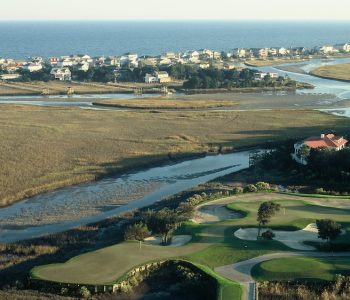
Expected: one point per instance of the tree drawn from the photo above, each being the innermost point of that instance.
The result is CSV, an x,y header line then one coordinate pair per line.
x,y
163,222
138,231
268,235
328,229
304,151
265,212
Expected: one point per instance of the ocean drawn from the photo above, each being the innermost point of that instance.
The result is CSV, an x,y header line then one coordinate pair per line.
x,y
24,39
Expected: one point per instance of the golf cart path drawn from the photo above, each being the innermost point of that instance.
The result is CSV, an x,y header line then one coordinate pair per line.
x,y
241,271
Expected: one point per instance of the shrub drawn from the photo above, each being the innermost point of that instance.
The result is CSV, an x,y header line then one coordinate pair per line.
x,y
237,190
250,188
262,186
268,235
320,191
84,292
64,291
195,200
138,231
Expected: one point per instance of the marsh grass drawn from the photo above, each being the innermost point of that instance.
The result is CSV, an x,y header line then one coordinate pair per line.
x,y
44,148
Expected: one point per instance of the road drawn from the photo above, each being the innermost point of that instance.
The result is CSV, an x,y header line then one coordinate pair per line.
x,y
241,271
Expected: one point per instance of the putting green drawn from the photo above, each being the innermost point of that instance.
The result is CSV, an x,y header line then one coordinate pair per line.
x,y
301,268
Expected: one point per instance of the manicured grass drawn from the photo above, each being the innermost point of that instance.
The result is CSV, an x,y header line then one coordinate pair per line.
x,y
301,268
227,289
212,245
338,71
64,146
317,195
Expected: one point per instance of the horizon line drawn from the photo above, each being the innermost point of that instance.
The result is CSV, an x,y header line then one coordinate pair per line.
x,y
175,20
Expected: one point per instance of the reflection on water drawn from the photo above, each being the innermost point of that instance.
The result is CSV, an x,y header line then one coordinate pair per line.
x,y
85,203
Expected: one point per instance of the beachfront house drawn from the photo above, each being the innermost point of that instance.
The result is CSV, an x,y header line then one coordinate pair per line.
x,y
260,52
296,51
62,74
328,49
282,51
33,67
273,51
129,59
342,47
191,56
66,62
325,141
239,52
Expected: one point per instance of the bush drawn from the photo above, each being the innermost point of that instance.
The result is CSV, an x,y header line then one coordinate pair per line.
x,y
268,235
262,186
237,190
195,200
138,231
250,188
84,292
320,191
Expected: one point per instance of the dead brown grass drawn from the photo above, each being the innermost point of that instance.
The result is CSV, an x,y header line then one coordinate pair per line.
x,y
338,71
166,103
58,87
272,62
44,148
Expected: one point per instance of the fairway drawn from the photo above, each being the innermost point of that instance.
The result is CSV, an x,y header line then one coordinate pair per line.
x,y
301,268
212,245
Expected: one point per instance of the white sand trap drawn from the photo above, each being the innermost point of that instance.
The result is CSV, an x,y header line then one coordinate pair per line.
x,y
176,241
292,239
210,213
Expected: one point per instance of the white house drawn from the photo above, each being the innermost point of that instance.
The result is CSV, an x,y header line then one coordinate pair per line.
x,y
62,74
157,77
342,47
328,49
67,62
327,141
240,52
33,67
262,75
149,78
83,67
129,59
282,51
10,76
260,52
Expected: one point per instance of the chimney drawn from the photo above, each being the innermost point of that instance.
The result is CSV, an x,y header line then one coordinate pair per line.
x,y
322,136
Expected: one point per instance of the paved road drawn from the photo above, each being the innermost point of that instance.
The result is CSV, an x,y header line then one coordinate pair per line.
x,y
241,271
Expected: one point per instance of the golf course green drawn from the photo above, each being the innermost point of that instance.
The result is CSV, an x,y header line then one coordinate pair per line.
x,y
214,245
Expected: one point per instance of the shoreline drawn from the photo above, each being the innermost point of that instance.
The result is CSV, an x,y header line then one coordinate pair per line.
x,y
329,78
163,161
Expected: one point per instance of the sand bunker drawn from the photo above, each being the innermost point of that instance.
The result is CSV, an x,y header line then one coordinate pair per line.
x,y
292,239
177,240
210,213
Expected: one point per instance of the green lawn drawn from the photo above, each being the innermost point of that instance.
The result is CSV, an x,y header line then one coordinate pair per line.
x,y
301,268
212,245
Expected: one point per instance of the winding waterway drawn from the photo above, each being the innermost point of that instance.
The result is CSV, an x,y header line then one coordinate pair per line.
x,y
81,204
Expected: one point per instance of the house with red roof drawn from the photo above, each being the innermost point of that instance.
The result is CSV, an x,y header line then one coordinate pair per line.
x,y
325,141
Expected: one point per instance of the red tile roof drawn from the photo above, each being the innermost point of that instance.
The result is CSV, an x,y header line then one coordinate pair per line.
x,y
325,141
